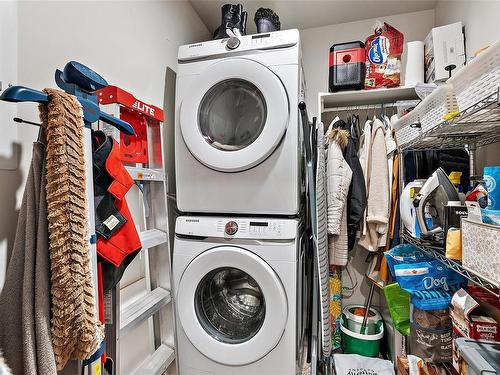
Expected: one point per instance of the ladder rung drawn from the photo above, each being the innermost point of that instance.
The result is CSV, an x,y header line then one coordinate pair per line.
x,y
145,174
152,237
158,362
137,312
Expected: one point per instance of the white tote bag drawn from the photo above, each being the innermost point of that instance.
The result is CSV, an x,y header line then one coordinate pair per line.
x,y
353,364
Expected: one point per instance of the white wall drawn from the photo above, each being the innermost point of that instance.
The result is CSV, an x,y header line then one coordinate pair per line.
x,y
316,43
10,176
129,42
481,21
480,18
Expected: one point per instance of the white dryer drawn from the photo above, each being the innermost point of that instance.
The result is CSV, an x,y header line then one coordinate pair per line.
x,y
239,296
238,145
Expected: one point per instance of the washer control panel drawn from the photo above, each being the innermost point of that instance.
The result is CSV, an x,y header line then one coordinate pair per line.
x,y
242,228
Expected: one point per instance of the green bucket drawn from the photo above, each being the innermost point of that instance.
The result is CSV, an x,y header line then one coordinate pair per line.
x,y
357,343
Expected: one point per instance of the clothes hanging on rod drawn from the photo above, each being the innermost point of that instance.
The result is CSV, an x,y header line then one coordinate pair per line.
x,y
356,197
377,209
339,176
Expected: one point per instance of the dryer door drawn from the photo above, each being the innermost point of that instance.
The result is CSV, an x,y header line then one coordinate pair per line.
x,y
232,305
235,115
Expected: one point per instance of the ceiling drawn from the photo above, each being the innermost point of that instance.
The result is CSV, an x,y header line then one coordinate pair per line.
x,y
312,13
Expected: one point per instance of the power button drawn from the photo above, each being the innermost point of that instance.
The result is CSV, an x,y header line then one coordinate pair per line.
x,y
231,228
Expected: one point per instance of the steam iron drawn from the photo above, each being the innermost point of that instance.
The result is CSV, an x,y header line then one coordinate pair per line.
x,y
430,204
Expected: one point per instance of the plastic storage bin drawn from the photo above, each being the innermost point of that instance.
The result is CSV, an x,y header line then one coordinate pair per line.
x,y
481,249
347,66
478,357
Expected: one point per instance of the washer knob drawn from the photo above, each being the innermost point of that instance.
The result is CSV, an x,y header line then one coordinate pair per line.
x,y
233,43
231,228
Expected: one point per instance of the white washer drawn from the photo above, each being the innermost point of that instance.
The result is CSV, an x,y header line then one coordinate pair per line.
x,y
238,145
239,295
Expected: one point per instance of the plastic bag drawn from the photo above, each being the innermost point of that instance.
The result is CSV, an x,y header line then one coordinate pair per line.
x,y
428,276
383,57
432,345
354,364
435,319
431,300
398,302
404,254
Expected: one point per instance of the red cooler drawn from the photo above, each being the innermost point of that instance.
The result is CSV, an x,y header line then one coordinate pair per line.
x,y
347,66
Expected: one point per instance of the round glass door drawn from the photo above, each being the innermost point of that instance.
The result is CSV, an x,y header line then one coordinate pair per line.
x,y
230,305
232,114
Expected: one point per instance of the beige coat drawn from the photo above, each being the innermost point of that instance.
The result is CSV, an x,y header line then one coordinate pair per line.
x,y
377,175
338,177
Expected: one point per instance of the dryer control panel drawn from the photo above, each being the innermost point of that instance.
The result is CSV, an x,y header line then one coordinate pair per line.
x,y
240,228
221,47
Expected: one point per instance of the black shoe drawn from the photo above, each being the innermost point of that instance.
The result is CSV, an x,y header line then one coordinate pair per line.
x,y
232,17
266,21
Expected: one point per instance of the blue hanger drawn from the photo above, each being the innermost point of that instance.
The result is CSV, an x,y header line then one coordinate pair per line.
x,y
78,80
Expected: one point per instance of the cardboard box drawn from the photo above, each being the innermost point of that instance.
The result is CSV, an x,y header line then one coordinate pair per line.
x,y
444,46
474,314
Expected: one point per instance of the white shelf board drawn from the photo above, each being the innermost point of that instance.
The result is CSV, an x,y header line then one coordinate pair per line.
x,y
329,101
158,362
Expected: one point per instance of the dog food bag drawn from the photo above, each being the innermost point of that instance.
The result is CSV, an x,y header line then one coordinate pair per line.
x,y
432,345
383,57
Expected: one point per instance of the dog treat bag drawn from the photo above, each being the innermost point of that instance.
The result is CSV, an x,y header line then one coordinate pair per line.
x,y
383,57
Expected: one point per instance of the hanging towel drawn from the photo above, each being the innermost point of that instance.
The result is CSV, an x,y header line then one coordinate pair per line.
x,y
76,331
339,176
377,210
25,300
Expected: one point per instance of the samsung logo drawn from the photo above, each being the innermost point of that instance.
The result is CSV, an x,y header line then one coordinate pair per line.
x,y
192,220
195,45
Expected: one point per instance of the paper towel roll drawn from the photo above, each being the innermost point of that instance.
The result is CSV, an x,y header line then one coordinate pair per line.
x,y
414,63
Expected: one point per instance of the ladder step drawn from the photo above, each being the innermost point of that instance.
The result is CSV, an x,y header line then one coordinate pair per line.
x,y
137,312
152,237
145,174
158,362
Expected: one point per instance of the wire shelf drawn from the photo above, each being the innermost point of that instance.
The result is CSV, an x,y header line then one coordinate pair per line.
x,y
438,254
478,125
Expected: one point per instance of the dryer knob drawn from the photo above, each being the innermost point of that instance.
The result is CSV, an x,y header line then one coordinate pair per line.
x,y
231,228
233,43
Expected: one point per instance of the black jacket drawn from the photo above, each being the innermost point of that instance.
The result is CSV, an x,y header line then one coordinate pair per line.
x,y
356,198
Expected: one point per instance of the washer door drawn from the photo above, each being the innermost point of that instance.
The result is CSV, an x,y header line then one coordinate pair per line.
x,y
232,305
235,115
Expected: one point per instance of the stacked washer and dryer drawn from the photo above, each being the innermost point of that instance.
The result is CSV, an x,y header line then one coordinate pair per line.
x,y
239,252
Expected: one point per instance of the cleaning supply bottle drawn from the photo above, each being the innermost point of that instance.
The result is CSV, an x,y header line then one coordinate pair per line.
x,y
455,180
429,222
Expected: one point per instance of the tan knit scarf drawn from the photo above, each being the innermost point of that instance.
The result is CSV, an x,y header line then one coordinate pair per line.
x,y
76,331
